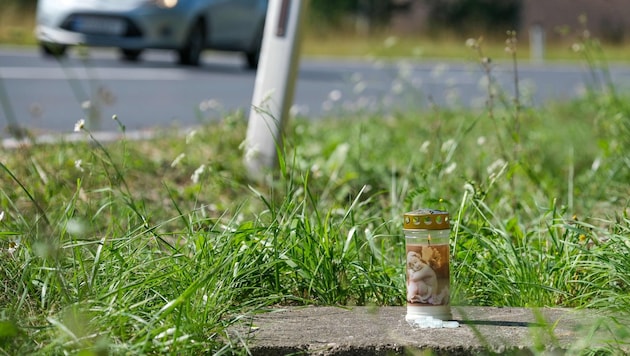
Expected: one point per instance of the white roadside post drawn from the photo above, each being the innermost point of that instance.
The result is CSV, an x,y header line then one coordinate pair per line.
x,y
537,43
275,85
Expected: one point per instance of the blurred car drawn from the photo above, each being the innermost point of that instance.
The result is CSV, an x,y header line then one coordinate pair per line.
x,y
186,26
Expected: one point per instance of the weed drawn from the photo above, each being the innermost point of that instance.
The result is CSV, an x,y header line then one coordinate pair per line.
x,y
161,245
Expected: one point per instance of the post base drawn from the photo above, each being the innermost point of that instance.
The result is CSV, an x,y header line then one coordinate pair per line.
x,y
442,312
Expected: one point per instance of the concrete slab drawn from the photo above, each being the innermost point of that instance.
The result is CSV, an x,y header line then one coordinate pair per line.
x,y
383,331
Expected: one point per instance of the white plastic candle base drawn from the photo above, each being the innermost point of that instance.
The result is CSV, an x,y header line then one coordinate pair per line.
x,y
429,322
442,312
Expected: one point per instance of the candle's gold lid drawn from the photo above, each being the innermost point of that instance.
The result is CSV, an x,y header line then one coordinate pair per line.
x,y
426,219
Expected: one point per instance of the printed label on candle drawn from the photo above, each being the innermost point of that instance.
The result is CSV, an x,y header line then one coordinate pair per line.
x,y
428,278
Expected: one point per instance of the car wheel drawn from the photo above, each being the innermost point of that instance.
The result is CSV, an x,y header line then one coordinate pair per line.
x,y
253,55
130,55
52,49
191,52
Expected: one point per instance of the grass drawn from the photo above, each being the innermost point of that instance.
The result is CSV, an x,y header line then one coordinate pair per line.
x,y
16,25
436,47
158,246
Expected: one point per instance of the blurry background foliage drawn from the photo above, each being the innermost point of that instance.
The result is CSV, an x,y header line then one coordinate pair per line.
x,y
450,14
337,13
25,4
455,16
462,16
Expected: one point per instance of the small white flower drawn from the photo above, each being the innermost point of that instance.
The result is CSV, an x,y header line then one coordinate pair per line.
x,y
79,125
390,41
359,87
481,140
213,104
167,332
14,246
469,188
595,166
197,173
86,104
450,168
471,43
77,165
1,215
316,170
334,95
496,166
425,146
210,104
267,97
252,151
178,159
190,136
297,110
76,227
449,145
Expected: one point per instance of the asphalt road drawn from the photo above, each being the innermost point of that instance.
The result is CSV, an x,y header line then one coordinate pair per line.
x,y
47,96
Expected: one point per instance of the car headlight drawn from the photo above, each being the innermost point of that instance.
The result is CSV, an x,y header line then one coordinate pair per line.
x,y
167,4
